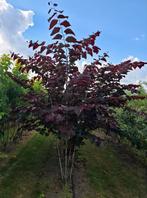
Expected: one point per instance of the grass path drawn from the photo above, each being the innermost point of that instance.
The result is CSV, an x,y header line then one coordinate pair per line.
x,y
32,172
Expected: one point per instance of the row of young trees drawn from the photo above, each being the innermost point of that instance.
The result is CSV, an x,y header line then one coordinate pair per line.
x,y
59,99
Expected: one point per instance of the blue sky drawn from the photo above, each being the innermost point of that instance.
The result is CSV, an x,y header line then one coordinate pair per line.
x,y
123,23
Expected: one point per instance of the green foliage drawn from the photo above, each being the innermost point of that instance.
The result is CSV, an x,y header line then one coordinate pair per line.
x,y
10,93
4,65
8,133
38,87
139,105
133,125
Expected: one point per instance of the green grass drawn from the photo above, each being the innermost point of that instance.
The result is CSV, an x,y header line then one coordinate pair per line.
x,y
22,175
32,172
113,174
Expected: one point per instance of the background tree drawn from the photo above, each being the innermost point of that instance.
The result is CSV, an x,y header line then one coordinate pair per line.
x,y
71,104
10,93
132,121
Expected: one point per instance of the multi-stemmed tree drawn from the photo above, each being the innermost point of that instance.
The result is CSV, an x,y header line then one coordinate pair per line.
x,y
71,104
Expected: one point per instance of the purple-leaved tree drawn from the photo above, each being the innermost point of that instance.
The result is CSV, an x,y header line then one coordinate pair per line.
x,y
71,104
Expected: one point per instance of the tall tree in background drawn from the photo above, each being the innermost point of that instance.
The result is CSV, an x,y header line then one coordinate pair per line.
x,y
71,104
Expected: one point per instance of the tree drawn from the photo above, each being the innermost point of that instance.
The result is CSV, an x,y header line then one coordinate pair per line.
x,y
10,93
71,104
132,121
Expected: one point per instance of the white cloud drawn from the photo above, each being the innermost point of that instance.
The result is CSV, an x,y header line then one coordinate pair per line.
x,y
13,23
81,65
137,75
140,37
132,58
136,38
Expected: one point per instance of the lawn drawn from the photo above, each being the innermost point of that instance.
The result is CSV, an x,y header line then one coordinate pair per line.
x,y
31,171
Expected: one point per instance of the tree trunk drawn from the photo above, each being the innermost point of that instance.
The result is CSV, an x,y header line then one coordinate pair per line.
x,y
66,156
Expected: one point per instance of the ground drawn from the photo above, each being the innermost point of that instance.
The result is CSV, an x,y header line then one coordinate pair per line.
x,y
31,171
